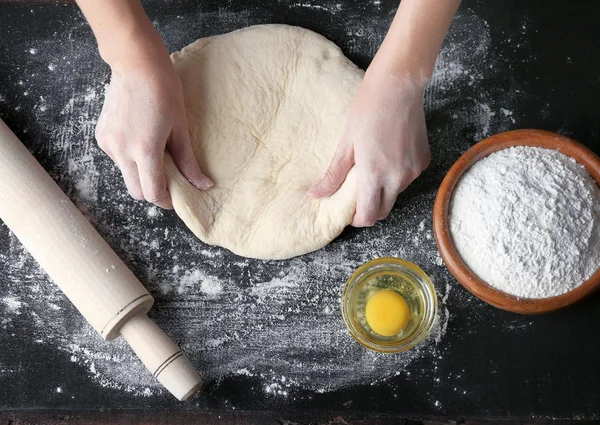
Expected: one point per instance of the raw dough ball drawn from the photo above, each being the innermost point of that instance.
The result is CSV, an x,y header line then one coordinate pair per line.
x,y
266,106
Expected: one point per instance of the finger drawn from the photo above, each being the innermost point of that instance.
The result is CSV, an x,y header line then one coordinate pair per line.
x,y
180,149
368,204
132,179
153,180
388,200
336,173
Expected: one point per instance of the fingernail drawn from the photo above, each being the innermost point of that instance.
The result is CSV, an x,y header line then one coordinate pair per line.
x,y
164,205
203,184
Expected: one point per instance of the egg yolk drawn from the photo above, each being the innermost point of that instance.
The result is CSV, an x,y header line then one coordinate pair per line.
x,y
387,312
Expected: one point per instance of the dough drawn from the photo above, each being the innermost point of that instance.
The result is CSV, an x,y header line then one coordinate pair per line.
x,y
266,106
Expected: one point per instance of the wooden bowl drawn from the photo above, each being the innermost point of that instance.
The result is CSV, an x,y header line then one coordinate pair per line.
x,y
450,255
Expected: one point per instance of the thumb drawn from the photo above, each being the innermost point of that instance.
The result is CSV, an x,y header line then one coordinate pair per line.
x,y
180,148
340,165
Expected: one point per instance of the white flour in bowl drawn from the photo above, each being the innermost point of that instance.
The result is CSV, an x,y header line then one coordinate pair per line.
x,y
526,221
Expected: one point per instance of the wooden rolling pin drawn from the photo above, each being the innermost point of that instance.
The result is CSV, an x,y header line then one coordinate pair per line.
x,y
82,264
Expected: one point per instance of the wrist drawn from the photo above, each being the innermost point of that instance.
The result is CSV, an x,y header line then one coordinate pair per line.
x,y
411,82
133,46
123,31
394,62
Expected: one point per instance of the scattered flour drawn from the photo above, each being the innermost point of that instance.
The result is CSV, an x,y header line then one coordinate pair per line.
x,y
153,211
464,62
190,280
211,287
331,8
277,323
280,325
13,304
527,221
508,114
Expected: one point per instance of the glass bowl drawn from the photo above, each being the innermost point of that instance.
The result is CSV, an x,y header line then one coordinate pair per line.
x,y
400,276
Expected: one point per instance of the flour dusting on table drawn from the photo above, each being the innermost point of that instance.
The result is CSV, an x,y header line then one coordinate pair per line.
x,y
277,324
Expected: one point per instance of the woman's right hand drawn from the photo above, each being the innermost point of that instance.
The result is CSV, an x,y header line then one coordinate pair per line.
x,y
144,114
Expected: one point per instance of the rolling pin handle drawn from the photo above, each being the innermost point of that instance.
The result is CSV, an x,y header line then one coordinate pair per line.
x,y
161,356
141,304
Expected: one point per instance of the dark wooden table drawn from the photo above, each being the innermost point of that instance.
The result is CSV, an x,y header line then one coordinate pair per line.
x,y
268,336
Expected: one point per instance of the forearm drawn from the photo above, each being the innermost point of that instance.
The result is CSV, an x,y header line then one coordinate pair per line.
x,y
123,31
412,44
